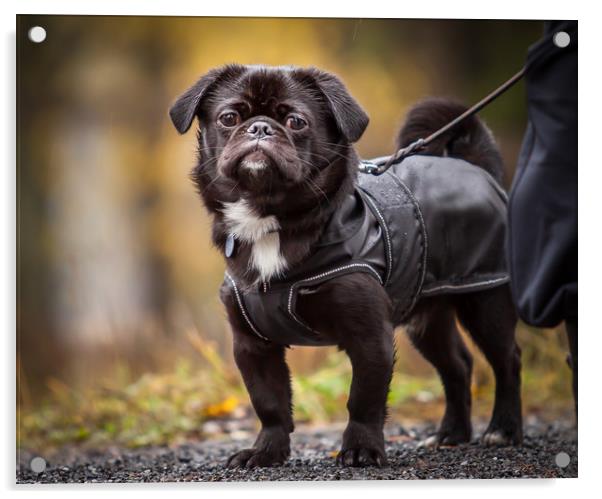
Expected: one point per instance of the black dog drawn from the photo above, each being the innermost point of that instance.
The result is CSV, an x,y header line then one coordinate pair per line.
x,y
317,257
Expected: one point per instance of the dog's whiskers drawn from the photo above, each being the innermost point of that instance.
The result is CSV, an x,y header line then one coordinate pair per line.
x,y
311,184
233,187
327,158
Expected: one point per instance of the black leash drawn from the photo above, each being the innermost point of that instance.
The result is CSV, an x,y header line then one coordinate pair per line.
x,y
418,145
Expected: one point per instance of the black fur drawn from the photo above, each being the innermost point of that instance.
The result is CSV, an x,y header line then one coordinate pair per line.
x,y
309,172
312,171
470,140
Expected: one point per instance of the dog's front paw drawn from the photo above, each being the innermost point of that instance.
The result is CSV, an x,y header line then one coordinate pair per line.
x,y
361,457
257,458
271,448
363,445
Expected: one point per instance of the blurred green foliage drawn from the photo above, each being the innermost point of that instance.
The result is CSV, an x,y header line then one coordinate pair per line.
x,y
167,408
117,278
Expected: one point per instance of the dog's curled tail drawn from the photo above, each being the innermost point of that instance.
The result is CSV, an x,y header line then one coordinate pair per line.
x,y
470,140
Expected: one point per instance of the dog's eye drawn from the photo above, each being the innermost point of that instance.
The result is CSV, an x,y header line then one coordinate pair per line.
x,y
295,122
229,119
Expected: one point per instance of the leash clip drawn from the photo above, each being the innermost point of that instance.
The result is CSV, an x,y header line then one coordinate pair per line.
x,y
368,167
378,169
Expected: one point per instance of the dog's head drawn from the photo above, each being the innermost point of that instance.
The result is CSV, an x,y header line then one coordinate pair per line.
x,y
266,133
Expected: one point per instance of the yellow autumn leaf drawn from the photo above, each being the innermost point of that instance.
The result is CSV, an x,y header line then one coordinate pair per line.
x,y
222,408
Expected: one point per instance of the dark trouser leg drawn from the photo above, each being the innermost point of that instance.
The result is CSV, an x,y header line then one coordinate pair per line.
x,y
433,332
571,331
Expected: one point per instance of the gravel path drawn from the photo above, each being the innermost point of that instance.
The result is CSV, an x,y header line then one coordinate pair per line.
x,y
312,458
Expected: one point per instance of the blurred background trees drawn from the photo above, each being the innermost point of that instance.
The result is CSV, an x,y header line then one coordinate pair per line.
x,y
116,273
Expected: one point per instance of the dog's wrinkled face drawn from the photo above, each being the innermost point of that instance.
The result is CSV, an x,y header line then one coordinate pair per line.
x,y
271,130
266,132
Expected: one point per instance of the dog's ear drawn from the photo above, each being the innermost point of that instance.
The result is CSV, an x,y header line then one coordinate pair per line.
x,y
187,105
349,116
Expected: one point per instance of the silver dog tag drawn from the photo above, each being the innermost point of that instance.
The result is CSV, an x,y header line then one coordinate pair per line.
x,y
230,245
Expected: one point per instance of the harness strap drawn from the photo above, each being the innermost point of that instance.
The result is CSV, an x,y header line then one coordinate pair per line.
x,y
242,309
295,328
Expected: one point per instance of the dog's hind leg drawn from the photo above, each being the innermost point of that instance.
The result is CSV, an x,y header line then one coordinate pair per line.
x,y
432,329
490,318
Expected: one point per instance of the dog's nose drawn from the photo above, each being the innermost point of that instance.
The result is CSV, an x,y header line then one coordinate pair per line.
x,y
260,129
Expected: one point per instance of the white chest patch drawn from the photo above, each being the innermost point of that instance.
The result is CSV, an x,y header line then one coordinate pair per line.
x,y
258,231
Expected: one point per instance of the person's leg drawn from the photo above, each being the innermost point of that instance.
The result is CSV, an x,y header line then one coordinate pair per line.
x,y
571,332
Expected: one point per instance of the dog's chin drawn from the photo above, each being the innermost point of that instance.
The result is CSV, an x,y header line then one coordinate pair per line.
x,y
259,172
257,165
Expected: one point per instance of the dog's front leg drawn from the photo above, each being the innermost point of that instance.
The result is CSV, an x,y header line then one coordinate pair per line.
x,y
368,340
267,378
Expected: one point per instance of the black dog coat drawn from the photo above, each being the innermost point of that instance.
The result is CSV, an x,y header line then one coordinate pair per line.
x,y
427,226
